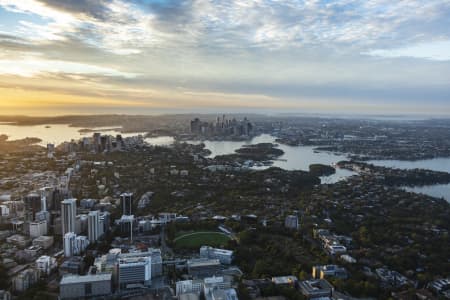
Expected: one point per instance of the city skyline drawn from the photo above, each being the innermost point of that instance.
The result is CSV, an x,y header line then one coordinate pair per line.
x,y
164,56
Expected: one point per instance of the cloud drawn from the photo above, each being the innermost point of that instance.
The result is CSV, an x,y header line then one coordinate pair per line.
x,y
92,8
170,51
31,66
438,50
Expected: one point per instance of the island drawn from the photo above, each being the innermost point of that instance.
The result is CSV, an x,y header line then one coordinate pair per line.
x,y
262,152
321,170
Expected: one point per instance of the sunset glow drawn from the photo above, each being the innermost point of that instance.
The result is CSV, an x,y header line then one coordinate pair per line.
x,y
151,56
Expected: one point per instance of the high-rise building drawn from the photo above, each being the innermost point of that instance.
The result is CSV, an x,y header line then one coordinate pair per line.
x,y
134,270
105,221
154,254
38,228
46,197
126,225
42,216
126,201
32,206
68,215
94,229
4,210
82,242
70,244
74,245
54,201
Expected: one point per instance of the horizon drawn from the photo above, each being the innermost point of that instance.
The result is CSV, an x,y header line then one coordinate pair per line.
x,y
162,56
336,115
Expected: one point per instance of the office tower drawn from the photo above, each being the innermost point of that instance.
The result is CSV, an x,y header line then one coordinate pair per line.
x,y
57,196
134,270
105,220
81,242
74,245
38,228
68,215
126,201
126,225
32,206
70,244
46,197
93,226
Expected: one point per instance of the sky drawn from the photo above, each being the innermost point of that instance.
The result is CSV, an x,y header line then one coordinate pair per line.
x,y
157,56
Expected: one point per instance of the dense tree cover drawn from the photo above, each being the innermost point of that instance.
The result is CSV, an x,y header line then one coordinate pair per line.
x,y
321,170
258,152
262,254
3,275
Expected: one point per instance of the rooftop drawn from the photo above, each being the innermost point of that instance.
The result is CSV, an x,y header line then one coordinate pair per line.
x,y
284,280
202,262
71,279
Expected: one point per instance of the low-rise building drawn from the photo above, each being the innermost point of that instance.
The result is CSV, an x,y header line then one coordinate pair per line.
x,y
18,240
73,265
348,259
203,267
391,278
189,287
46,264
87,286
441,287
215,288
314,289
336,249
224,256
33,251
45,242
321,272
285,280
25,279
291,222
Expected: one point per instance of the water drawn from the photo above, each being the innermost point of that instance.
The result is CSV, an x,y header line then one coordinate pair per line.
x,y
437,190
435,164
294,157
54,133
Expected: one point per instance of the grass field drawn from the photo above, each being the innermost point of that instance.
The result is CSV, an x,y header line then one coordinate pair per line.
x,y
200,238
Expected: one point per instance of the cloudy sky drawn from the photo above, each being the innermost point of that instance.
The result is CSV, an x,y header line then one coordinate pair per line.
x,y
153,56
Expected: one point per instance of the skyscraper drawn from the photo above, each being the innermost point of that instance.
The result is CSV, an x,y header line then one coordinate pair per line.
x,y
70,244
46,197
68,215
32,206
94,226
126,201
